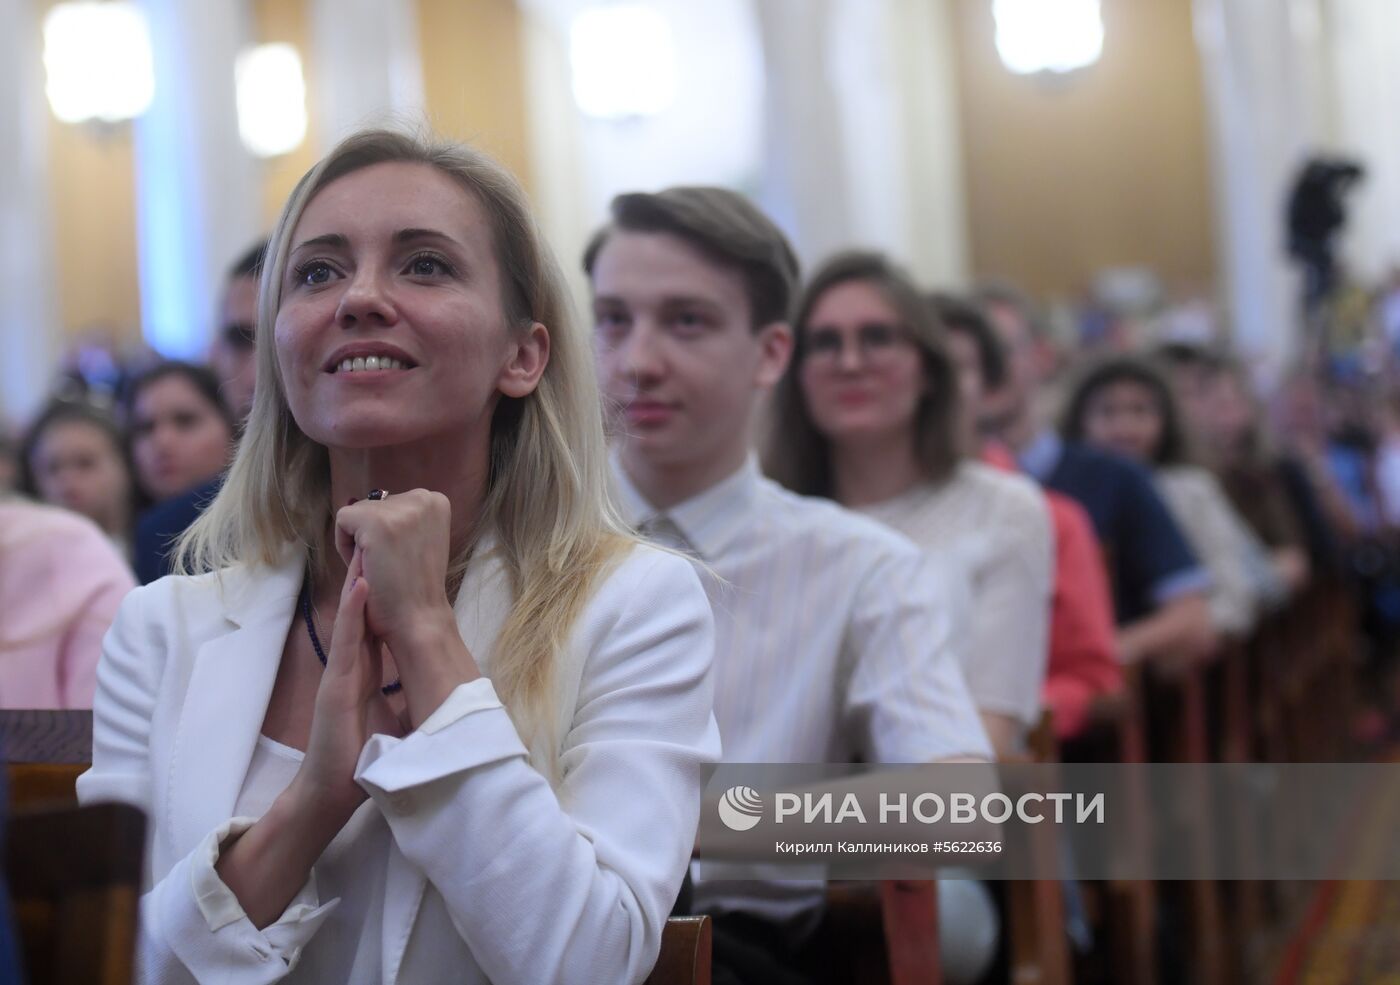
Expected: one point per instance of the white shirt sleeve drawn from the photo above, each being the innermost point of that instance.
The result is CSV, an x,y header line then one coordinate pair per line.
x,y
573,885
908,701
1205,516
1010,629
192,928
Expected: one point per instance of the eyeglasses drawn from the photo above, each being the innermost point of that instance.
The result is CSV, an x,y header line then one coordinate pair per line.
x,y
876,341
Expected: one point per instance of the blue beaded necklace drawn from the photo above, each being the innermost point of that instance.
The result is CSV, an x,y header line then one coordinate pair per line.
x,y
308,616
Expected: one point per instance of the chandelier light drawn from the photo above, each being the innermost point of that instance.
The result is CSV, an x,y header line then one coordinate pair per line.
x,y
1048,35
623,61
271,99
97,59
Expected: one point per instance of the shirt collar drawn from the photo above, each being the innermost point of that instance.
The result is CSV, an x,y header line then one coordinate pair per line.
x,y
1040,457
711,520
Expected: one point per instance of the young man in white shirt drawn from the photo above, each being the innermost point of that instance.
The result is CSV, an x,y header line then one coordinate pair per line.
x,y
835,636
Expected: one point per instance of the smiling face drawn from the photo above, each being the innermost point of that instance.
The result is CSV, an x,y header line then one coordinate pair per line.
x,y
1124,417
391,326
679,359
861,374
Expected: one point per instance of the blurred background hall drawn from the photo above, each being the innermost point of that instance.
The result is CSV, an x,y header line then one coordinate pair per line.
x,y
1210,185
1127,162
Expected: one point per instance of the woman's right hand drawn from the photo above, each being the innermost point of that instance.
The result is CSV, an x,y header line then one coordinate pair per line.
x,y
265,866
349,707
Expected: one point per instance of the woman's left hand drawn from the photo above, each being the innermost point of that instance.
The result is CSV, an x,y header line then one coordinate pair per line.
x,y
403,542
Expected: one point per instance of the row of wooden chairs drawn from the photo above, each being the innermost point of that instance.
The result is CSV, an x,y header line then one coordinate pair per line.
x,y
1286,694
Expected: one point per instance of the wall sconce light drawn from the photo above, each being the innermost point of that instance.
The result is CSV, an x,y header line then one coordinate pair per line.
x,y
623,60
97,58
271,99
1048,35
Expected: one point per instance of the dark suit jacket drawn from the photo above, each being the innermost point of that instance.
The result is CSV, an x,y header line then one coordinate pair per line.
x,y
159,526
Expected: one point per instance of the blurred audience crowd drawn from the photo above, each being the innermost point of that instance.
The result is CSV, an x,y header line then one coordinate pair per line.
x,y
95,489
1128,469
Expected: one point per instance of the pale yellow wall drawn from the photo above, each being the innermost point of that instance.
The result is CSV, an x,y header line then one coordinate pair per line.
x,y
93,208
94,230
286,20
1106,167
474,76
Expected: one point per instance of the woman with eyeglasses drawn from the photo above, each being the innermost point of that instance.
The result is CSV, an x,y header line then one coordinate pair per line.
x,y
870,414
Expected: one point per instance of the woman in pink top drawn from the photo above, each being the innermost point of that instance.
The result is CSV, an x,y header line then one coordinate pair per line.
x,y
60,583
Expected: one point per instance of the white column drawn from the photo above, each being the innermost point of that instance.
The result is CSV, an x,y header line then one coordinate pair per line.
x,y
1365,57
805,181
366,65
1268,107
858,143
863,144
707,133
566,211
197,187
897,81
29,330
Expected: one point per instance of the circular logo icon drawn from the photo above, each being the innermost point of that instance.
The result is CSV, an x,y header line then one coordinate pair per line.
x,y
740,808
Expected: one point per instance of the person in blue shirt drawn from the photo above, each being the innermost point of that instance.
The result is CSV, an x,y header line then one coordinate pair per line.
x,y
1159,587
182,433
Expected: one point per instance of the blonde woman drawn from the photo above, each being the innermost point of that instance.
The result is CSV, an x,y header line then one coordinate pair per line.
x,y
455,731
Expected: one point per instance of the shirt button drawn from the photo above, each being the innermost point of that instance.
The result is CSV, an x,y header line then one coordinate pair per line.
x,y
401,802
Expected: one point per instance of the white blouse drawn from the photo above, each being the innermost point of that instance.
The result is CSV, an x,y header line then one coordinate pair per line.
x,y
352,869
1223,542
996,527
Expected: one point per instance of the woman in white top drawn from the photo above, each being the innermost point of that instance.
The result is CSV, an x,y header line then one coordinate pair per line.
x,y
868,414
452,733
1123,404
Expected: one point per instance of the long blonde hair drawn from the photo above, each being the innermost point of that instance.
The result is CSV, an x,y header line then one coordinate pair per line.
x,y
547,492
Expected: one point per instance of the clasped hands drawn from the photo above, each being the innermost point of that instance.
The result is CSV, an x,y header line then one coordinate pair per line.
x,y
394,597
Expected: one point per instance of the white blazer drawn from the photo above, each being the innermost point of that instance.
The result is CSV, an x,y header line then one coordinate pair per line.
x,y
503,877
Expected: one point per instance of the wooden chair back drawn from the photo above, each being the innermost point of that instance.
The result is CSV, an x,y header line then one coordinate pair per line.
x,y
44,785
880,933
1035,908
1130,910
45,751
685,953
74,875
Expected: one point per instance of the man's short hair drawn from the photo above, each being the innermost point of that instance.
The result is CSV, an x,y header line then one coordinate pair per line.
x,y
1188,355
250,262
726,228
963,318
1007,295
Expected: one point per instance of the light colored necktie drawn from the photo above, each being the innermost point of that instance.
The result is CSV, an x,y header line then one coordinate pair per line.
x,y
662,530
